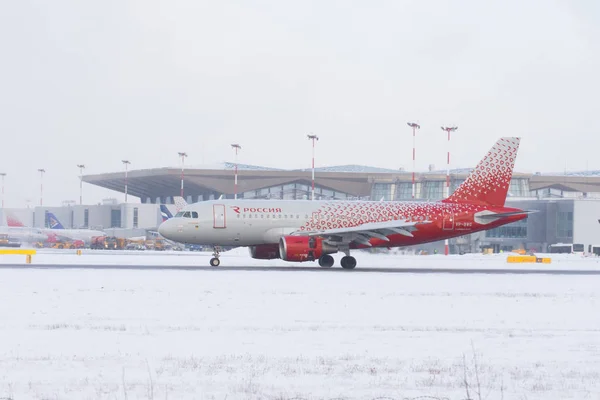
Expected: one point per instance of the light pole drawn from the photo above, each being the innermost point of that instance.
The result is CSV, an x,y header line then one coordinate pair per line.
x,y
237,148
2,174
81,168
313,138
448,130
414,127
126,162
183,156
41,171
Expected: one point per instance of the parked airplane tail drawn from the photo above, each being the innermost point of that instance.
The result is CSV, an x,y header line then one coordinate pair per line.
x,y
488,183
13,220
179,203
165,213
53,222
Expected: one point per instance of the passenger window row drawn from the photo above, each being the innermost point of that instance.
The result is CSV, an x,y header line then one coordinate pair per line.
x,y
275,216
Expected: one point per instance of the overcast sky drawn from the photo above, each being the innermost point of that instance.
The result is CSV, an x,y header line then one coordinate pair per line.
x,y
97,82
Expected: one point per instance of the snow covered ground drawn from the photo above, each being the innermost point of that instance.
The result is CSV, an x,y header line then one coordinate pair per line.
x,y
198,334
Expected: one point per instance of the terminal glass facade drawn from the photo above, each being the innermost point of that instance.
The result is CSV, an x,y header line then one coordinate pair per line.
x,y
564,225
519,187
404,190
516,230
295,191
115,218
383,190
435,189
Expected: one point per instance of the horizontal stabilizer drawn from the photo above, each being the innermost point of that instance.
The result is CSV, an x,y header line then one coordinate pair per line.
x,y
507,214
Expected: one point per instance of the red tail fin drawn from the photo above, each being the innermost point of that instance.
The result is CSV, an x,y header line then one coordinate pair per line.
x,y
13,220
488,183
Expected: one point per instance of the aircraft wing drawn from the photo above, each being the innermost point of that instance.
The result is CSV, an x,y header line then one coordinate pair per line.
x,y
362,233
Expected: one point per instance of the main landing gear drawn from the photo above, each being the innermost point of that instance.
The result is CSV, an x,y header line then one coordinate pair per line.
x,y
347,262
215,262
326,261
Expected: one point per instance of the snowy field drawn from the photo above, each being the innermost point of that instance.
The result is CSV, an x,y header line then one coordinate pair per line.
x,y
222,334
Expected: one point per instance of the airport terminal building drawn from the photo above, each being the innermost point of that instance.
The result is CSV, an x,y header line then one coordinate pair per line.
x,y
568,206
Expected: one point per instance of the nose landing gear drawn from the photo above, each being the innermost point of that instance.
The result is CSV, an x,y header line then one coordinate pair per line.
x,y
215,262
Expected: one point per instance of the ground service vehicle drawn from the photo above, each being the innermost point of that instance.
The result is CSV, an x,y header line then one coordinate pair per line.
x,y
566,248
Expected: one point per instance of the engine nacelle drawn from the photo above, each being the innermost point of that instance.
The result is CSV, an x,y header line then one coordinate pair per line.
x,y
265,251
303,248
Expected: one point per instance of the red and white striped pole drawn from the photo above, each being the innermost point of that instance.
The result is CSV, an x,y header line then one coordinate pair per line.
x,y
236,147
414,127
41,171
447,194
183,156
313,138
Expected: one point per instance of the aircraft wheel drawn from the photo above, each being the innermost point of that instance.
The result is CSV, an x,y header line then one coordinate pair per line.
x,y
348,262
326,261
214,262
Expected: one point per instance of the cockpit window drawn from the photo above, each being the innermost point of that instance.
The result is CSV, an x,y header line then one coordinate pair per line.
x,y
187,215
179,214
194,214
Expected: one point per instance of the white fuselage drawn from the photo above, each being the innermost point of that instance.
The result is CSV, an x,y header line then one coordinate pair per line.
x,y
237,223
84,235
23,234
255,222
33,235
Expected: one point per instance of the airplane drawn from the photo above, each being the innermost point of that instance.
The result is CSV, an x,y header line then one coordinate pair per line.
x,y
16,229
56,228
24,234
312,230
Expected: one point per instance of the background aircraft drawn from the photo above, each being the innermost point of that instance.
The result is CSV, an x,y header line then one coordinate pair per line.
x,y
70,234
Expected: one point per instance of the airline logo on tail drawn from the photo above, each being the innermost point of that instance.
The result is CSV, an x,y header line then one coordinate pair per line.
x,y
165,213
179,204
53,222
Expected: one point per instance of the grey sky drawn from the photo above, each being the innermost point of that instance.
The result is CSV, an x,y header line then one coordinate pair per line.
x,y
96,82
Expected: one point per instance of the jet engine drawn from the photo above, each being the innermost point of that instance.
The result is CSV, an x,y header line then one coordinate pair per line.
x,y
303,248
264,251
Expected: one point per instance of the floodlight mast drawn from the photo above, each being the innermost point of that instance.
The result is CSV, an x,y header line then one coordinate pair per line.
x,y
126,163
414,127
447,192
313,138
81,168
237,148
183,155
41,171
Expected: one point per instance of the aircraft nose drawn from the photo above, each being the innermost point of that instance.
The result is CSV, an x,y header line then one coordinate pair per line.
x,y
166,229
